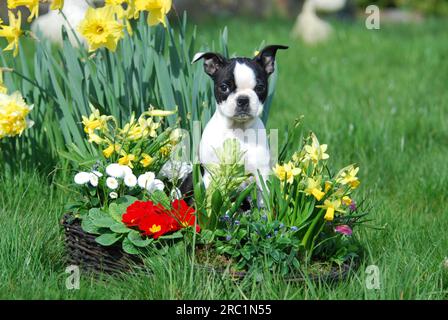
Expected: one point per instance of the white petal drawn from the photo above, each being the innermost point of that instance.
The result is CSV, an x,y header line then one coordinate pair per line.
x,y
112,183
115,170
82,178
113,195
130,180
126,170
146,179
97,173
93,179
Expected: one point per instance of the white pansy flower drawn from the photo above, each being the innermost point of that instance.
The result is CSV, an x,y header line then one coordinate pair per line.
x,y
93,179
112,183
115,170
97,173
113,195
156,185
130,180
126,170
82,178
176,170
146,180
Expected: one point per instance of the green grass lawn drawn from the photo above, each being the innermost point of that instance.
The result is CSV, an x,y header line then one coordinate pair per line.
x,y
378,98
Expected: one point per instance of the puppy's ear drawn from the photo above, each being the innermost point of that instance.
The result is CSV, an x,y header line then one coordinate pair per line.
x,y
266,57
212,61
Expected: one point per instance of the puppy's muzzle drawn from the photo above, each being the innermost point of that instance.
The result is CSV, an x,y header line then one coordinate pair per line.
x,y
242,106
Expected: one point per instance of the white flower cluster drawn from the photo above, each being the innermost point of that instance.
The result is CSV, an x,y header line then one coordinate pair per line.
x,y
117,174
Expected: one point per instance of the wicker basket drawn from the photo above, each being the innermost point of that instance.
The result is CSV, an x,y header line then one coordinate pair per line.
x,y
82,250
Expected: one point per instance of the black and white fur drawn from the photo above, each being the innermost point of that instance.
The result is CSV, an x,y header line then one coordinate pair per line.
x,y
241,89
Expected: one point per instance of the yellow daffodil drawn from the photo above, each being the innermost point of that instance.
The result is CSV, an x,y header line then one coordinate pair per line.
x,y
286,172
32,5
147,160
348,176
165,150
313,188
57,5
12,32
13,113
101,28
126,160
157,9
161,113
121,13
133,131
331,207
95,121
3,88
328,186
346,200
109,151
94,138
315,152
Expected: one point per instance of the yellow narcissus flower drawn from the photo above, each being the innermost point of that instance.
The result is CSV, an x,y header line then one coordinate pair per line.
x,y
346,200
157,9
32,5
313,188
94,138
12,32
101,28
328,186
315,152
13,113
331,207
165,150
95,121
161,113
348,176
147,160
286,172
57,5
109,151
126,160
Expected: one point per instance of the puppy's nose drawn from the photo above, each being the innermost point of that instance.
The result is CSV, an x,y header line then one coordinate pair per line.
x,y
242,102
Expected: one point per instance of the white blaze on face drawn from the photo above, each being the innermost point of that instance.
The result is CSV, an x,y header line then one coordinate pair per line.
x,y
244,77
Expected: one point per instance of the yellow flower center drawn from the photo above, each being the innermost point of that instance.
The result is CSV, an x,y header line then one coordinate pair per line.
x,y
155,228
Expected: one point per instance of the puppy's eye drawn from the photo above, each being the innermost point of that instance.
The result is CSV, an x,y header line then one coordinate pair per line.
x,y
259,88
224,88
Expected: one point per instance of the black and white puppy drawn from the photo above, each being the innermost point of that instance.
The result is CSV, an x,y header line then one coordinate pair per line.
x,y
241,89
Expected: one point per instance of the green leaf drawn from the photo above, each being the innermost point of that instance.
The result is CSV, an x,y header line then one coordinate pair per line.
x,y
176,235
88,226
104,222
96,213
136,238
108,239
120,228
129,247
116,211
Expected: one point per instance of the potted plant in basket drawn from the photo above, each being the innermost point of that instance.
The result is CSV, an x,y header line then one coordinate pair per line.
x,y
127,191
306,221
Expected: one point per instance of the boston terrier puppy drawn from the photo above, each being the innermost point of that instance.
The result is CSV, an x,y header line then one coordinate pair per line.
x,y
241,89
